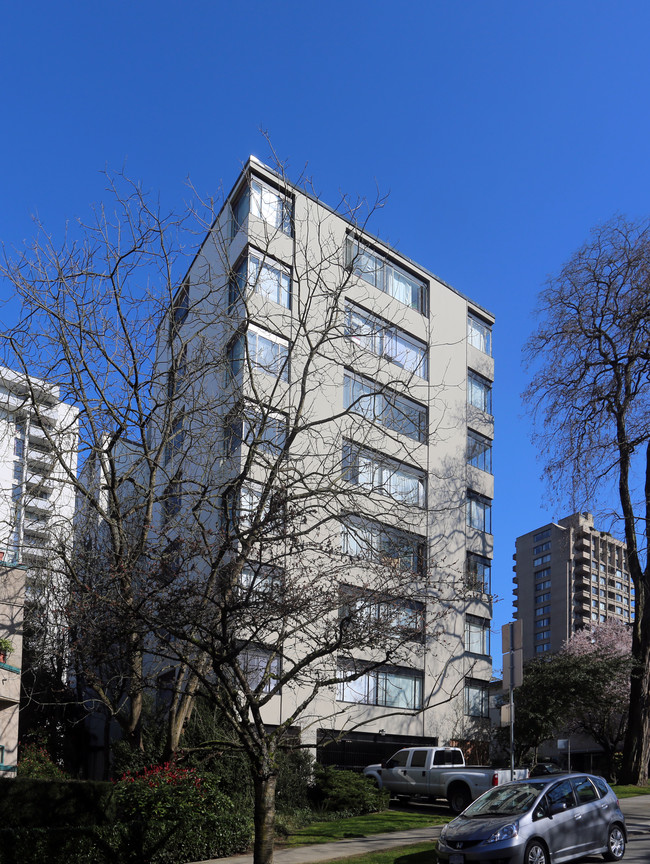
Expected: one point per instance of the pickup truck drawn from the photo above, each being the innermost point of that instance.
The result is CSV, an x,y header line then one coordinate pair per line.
x,y
437,772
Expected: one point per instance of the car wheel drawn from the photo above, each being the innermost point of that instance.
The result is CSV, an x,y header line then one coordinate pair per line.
x,y
615,844
459,798
535,853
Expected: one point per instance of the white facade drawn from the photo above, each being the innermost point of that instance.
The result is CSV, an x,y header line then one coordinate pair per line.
x,y
569,575
385,374
36,513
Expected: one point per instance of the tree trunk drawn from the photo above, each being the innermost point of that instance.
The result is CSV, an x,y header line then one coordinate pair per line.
x,y
636,751
264,819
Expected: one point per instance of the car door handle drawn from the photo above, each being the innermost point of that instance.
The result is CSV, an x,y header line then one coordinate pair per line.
x,y
604,806
577,815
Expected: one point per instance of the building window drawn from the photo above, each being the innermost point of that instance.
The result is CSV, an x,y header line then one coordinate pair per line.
x,y
543,598
266,352
270,516
477,635
542,559
543,622
388,687
384,340
391,410
177,373
387,277
479,392
383,475
180,307
540,649
176,437
405,616
543,573
172,501
479,512
543,547
479,333
260,668
542,636
478,573
541,586
383,544
476,698
265,203
543,610
262,277
479,451
541,535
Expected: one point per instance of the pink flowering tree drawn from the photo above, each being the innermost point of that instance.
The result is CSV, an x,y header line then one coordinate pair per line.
x,y
599,663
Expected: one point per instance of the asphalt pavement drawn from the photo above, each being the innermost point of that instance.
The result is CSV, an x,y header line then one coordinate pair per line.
x,y
636,811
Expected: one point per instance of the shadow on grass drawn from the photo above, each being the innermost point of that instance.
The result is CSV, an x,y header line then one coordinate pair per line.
x,y
425,857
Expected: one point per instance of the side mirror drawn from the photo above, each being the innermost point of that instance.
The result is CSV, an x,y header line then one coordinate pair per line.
x,y
558,807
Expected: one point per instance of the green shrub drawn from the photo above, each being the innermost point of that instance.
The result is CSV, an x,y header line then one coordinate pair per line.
x,y
36,762
29,803
336,790
295,779
182,815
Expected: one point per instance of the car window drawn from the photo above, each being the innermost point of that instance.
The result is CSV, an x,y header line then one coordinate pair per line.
x,y
419,758
507,800
602,787
444,757
398,759
585,790
561,793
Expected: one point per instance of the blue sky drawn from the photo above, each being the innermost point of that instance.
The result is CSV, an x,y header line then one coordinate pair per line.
x,y
502,132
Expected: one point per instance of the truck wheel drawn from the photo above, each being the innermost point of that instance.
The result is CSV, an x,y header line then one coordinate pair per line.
x,y
459,798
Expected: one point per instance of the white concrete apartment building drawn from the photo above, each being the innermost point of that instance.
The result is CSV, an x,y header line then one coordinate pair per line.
x,y
393,368
36,511
569,575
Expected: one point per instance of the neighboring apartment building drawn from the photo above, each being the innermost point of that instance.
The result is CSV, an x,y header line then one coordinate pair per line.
x,y
569,575
12,590
36,511
397,394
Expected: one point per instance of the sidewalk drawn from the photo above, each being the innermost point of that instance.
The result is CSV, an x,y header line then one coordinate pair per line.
x,y
636,811
340,848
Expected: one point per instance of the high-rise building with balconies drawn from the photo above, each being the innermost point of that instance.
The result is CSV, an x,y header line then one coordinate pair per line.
x,y
569,575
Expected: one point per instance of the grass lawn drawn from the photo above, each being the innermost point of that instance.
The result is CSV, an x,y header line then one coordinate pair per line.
x,y
360,826
629,791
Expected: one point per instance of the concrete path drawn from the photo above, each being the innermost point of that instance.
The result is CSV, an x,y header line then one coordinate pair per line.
x,y
636,811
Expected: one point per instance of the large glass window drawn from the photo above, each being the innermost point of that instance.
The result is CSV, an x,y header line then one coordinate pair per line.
x,y
387,341
383,544
479,451
477,635
479,512
380,474
388,687
176,437
394,612
479,392
476,698
260,668
392,410
386,276
479,333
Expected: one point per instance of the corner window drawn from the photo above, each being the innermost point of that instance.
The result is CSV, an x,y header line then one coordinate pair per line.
x,y
479,333
266,353
479,392
478,573
479,451
260,668
180,307
479,512
264,203
262,276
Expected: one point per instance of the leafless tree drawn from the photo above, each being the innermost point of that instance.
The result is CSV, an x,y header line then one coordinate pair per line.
x,y
590,392
236,528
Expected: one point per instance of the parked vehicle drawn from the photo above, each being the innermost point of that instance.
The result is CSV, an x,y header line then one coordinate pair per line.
x,y
542,769
437,772
537,821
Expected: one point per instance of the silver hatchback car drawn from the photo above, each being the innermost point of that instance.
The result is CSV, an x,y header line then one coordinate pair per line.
x,y
543,820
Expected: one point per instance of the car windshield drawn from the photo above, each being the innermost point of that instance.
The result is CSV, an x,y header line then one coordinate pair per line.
x,y
509,800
